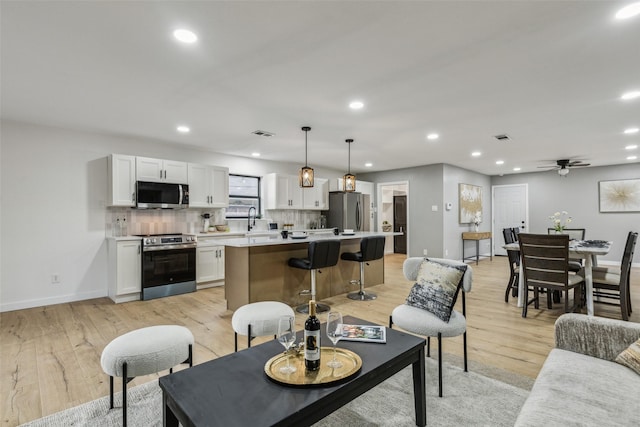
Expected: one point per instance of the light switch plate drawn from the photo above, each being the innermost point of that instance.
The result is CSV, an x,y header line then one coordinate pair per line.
x,y
434,208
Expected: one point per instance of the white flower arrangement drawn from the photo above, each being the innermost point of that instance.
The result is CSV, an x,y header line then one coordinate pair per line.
x,y
477,219
560,220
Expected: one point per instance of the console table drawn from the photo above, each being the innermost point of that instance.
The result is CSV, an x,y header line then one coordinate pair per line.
x,y
477,236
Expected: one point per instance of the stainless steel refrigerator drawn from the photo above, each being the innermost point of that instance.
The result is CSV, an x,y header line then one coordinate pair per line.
x,y
348,211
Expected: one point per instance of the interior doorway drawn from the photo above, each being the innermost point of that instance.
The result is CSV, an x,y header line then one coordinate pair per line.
x,y
400,224
388,207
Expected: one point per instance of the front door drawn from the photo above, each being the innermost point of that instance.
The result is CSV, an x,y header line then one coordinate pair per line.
x,y
400,224
510,210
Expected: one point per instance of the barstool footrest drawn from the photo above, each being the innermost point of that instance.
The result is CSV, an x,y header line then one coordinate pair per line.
x,y
320,308
362,296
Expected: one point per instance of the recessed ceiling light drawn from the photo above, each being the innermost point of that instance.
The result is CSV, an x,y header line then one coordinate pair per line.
x,y
631,130
630,95
628,11
356,105
368,165
499,162
476,154
433,136
185,36
255,154
632,157
516,169
631,147
183,129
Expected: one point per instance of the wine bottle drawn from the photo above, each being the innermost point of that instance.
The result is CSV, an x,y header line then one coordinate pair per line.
x,y
312,339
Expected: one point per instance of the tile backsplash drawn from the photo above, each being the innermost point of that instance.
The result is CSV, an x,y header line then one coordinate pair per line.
x,y
160,221
164,221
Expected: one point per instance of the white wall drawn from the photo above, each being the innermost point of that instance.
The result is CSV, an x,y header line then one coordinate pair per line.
x,y
53,191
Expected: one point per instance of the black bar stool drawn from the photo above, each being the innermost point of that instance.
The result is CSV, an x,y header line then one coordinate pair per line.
x,y
322,254
371,249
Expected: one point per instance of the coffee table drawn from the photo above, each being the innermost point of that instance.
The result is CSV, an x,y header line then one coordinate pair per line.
x,y
233,390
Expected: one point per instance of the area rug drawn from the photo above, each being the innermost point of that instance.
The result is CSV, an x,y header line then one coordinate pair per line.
x,y
470,399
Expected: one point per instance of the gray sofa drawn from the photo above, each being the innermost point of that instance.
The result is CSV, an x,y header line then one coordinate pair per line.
x,y
579,384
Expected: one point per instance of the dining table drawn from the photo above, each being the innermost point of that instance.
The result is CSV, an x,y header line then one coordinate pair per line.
x,y
584,249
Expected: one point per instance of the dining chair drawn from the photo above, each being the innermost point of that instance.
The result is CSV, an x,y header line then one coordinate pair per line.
x,y
575,264
514,264
516,232
610,283
545,265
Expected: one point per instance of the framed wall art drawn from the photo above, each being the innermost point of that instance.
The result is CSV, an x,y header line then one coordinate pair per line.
x,y
620,196
470,202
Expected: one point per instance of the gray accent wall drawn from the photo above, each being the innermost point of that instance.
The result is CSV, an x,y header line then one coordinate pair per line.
x,y
577,193
435,185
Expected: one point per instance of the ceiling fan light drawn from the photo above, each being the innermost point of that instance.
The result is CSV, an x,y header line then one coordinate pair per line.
x,y
563,172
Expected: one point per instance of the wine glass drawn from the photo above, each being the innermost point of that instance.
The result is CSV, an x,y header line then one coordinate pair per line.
x,y
287,336
334,332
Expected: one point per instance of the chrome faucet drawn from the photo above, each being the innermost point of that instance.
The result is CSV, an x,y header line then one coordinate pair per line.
x,y
249,224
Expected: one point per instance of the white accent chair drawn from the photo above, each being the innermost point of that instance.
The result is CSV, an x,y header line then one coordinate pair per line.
x,y
145,351
258,319
422,322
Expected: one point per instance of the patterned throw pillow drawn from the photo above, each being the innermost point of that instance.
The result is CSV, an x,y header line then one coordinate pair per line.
x,y
437,288
631,357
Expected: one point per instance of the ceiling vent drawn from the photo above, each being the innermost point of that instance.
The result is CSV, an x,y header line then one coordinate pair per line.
x,y
262,133
503,137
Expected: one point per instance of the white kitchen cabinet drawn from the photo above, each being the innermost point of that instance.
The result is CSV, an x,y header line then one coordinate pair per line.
x,y
316,197
209,263
125,270
282,192
220,187
208,186
364,187
122,180
159,170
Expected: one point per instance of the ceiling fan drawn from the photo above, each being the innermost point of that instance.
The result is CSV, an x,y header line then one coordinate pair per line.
x,y
563,166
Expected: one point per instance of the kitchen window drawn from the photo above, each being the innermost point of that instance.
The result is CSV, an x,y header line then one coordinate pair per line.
x,y
244,193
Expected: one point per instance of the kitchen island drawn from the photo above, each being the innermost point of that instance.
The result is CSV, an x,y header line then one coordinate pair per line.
x,y
256,269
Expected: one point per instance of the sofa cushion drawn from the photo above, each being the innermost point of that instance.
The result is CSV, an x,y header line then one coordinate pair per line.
x,y
437,288
631,357
573,389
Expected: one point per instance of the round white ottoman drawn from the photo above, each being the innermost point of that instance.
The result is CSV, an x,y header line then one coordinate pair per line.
x,y
145,351
258,319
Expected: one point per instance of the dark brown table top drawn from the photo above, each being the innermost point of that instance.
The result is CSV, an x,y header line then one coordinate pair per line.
x,y
234,390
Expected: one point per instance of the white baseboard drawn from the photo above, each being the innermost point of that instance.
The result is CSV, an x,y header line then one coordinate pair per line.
x,y
40,302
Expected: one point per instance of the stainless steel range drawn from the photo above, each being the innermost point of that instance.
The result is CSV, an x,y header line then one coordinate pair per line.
x,y
168,265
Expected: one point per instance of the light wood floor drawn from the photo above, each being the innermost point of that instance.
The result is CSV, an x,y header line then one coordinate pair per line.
x,y
50,356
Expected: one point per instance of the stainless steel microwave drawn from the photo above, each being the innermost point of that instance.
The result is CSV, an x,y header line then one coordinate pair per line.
x,y
161,195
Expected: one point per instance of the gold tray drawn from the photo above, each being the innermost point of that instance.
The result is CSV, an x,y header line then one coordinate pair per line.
x,y
351,364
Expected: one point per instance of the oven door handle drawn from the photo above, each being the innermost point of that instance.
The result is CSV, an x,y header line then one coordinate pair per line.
x,y
168,247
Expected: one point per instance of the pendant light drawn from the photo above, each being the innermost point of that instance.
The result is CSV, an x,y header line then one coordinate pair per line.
x,y
306,173
349,180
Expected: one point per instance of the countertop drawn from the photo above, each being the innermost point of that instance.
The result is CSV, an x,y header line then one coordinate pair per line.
x,y
219,235
276,239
